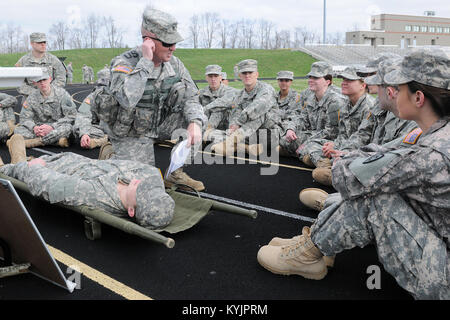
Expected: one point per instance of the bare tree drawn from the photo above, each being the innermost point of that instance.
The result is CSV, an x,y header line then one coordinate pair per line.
x,y
13,36
113,33
209,22
234,34
60,31
77,39
194,30
224,31
93,26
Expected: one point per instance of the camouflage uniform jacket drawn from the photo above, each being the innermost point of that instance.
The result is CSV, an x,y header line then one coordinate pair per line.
x,y
253,105
317,119
145,101
54,66
382,127
58,110
289,103
86,116
7,104
74,180
418,170
351,117
219,100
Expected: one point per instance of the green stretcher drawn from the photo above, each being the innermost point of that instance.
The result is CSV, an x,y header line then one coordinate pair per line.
x,y
189,210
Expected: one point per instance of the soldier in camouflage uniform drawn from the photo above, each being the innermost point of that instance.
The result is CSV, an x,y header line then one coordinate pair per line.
x,y
120,187
357,108
7,118
156,97
397,198
85,71
104,76
217,100
47,115
224,78
39,57
69,73
317,116
255,108
91,75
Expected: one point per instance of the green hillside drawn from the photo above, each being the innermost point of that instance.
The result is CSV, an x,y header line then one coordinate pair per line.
x,y
269,61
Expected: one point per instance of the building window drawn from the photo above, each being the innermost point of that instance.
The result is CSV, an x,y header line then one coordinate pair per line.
x,y
446,30
432,29
424,29
439,30
416,28
407,28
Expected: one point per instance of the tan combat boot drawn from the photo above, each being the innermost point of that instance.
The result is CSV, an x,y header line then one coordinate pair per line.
x,y
279,242
106,151
300,257
94,143
16,147
313,198
323,176
179,177
32,143
11,125
228,146
251,149
63,142
307,160
324,163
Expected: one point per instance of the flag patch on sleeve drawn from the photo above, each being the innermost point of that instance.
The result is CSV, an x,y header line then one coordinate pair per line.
x,y
413,136
123,69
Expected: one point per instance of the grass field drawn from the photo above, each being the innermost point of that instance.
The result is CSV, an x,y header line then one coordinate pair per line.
x,y
269,61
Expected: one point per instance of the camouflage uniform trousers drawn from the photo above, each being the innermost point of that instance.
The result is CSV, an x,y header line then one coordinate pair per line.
x,y
408,249
292,146
314,149
51,138
141,148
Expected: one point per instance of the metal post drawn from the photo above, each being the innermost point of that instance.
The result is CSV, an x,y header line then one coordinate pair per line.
x,y
324,21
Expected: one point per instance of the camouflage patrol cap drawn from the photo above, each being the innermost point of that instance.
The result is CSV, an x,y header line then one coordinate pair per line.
x,y
428,66
285,75
38,37
350,73
248,65
213,69
162,24
154,207
320,69
43,76
384,68
373,63
224,75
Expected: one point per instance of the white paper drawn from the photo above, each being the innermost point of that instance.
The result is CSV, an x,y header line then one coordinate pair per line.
x,y
179,156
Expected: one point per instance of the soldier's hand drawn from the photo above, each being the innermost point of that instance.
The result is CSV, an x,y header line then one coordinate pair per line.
x,y
37,162
195,134
232,129
148,47
291,136
46,129
85,141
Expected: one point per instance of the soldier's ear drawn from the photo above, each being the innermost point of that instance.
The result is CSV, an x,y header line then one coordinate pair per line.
x,y
131,212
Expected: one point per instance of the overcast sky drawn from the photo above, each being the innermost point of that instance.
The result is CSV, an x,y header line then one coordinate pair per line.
x,y
342,15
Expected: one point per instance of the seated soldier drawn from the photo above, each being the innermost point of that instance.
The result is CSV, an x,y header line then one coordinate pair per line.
x,y
357,108
255,108
317,116
120,187
382,127
217,100
7,118
287,98
47,115
397,198
87,123
224,78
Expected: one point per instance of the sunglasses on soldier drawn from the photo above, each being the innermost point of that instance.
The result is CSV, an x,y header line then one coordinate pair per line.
x,y
164,44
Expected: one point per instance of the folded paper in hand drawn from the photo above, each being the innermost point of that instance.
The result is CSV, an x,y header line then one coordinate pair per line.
x,y
179,156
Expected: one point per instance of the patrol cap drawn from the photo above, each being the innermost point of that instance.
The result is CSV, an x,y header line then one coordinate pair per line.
x,y
38,37
224,75
285,75
373,63
428,66
248,65
384,68
320,69
162,24
154,207
349,73
213,69
44,76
